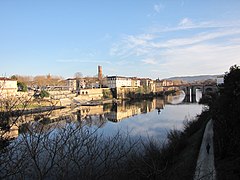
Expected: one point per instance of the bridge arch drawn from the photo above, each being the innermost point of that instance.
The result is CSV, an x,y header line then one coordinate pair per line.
x,y
191,89
210,89
199,88
183,88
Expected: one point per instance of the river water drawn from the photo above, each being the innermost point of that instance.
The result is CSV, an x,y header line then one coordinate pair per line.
x,y
154,123
51,137
151,118
145,118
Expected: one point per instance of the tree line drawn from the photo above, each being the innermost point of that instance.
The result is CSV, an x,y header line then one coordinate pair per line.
x,y
39,80
225,109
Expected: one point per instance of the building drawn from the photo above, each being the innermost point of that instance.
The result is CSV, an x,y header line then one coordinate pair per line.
x,y
91,94
166,82
118,81
8,87
158,85
74,84
220,80
92,82
135,82
148,83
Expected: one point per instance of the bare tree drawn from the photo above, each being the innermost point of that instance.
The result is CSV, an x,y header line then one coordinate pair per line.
x,y
68,152
78,75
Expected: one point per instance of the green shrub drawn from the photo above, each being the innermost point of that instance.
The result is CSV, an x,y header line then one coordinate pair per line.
x,y
44,93
22,86
107,93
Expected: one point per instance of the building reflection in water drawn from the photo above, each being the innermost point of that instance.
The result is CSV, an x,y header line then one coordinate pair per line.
x,y
128,109
99,115
90,115
121,111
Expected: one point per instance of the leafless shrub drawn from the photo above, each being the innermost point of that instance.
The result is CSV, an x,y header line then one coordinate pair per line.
x,y
63,153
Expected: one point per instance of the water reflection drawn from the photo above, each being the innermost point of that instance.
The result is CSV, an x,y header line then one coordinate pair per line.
x,y
177,98
193,98
126,109
198,95
146,118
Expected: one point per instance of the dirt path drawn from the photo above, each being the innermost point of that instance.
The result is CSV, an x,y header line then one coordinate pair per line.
x,y
205,169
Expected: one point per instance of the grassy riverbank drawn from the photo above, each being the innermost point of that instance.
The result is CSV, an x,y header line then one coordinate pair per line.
x,y
174,160
185,164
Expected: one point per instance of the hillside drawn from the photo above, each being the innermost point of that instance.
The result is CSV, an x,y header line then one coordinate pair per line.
x,y
191,79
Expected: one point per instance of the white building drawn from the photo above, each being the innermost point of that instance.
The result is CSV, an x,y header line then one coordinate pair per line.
x,y
8,87
72,84
220,80
118,81
136,82
75,84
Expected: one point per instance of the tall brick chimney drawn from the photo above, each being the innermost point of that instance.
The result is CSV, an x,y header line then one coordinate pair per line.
x,y
99,73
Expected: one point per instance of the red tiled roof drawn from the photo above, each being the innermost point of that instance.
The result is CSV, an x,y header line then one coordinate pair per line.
x,y
6,79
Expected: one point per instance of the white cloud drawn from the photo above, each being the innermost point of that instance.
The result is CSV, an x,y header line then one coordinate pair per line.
x,y
207,50
200,25
151,61
150,44
139,40
202,59
158,7
132,45
198,38
82,61
186,22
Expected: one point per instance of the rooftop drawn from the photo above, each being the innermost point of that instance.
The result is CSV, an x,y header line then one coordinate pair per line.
x,y
6,79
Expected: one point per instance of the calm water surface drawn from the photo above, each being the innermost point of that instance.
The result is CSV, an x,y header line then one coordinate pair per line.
x,y
146,118
155,123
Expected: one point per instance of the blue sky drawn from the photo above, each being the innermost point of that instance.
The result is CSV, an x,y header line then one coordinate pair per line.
x,y
143,38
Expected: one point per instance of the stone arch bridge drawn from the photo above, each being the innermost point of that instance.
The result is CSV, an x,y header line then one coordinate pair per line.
x,y
204,88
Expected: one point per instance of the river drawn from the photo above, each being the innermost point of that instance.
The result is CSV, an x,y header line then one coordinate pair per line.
x,y
151,118
145,118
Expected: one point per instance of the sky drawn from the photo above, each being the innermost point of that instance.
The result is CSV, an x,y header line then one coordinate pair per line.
x,y
137,38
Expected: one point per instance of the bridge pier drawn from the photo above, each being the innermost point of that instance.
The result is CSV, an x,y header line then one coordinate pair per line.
x,y
191,91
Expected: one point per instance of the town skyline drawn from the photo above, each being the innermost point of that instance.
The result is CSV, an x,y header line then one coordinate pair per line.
x,y
77,75
154,39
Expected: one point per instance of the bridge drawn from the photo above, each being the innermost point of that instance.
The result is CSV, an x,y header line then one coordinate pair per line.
x,y
191,89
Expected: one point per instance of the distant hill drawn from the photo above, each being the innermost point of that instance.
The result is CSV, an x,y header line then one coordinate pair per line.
x,y
191,79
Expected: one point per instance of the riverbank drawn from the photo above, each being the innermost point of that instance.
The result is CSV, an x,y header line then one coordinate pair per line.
x,y
174,160
156,160
151,95
205,168
35,110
